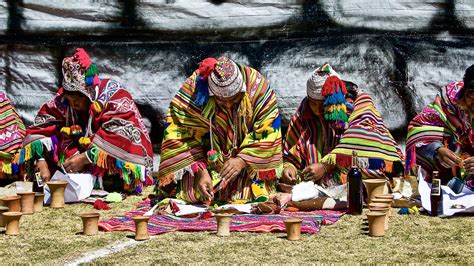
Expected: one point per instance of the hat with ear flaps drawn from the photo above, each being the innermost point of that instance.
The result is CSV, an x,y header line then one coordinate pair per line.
x,y
80,75
314,85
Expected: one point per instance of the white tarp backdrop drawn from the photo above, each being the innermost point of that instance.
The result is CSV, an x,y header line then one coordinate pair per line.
x,y
400,51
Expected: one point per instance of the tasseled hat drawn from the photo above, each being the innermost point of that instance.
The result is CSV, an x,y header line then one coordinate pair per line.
x,y
334,92
80,74
221,78
226,80
314,85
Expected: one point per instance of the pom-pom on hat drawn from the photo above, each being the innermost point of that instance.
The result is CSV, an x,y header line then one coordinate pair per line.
x,y
226,80
314,85
79,74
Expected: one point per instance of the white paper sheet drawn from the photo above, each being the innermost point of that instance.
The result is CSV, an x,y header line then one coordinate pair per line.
x,y
189,209
245,208
80,187
304,191
465,198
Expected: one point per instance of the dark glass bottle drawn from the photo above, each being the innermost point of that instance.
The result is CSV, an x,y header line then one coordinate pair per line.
x,y
355,187
436,195
38,183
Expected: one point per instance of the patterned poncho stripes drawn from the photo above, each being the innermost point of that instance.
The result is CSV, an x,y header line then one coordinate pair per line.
x,y
186,137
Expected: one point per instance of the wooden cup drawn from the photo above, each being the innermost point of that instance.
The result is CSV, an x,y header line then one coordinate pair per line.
x,y
27,202
12,220
90,223
57,189
39,200
376,223
293,228
141,224
223,223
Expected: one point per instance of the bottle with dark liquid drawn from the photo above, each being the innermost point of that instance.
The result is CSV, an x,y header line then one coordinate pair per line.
x,y
436,195
355,187
38,183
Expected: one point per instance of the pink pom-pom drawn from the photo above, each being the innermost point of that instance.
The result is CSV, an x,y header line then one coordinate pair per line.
x,y
96,80
83,58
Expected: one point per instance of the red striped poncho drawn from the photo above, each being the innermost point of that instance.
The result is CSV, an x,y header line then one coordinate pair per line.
x,y
120,143
441,121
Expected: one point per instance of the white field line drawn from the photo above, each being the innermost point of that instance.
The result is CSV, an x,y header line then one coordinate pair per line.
x,y
106,251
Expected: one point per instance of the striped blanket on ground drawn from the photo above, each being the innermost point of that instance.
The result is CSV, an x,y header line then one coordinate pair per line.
x,y
159,224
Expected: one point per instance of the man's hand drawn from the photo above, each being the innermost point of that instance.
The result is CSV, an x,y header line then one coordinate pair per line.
x,y
447,158
76,163
42,166
205,184
469,165
289,176
314,172
232,168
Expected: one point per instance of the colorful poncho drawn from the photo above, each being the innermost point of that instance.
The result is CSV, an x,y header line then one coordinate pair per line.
x,y
188,139
118,142
310,139
12,132
442,121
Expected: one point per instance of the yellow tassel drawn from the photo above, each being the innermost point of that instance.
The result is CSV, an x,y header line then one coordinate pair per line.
x,y
28,152
130,167
7,168
102,159
97,106
329,159
84,141
246,107
259,191
16,158
66,130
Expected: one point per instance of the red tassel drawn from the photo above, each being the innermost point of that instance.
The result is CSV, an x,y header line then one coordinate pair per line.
x,y
342,85
332,85
206,215
101,205
206,67
328,87
343,160
267,175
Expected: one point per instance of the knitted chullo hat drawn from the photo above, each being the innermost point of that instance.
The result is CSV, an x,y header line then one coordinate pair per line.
x,y
226,80
334,92
80,74
314,85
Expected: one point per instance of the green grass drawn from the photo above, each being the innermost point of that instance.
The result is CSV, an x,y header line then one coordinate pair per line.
x,y
53,236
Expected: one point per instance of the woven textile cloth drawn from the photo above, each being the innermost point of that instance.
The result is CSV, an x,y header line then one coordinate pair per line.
x,y
377,151
12,132
159,224
119,141
441,121
310,139
251,132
